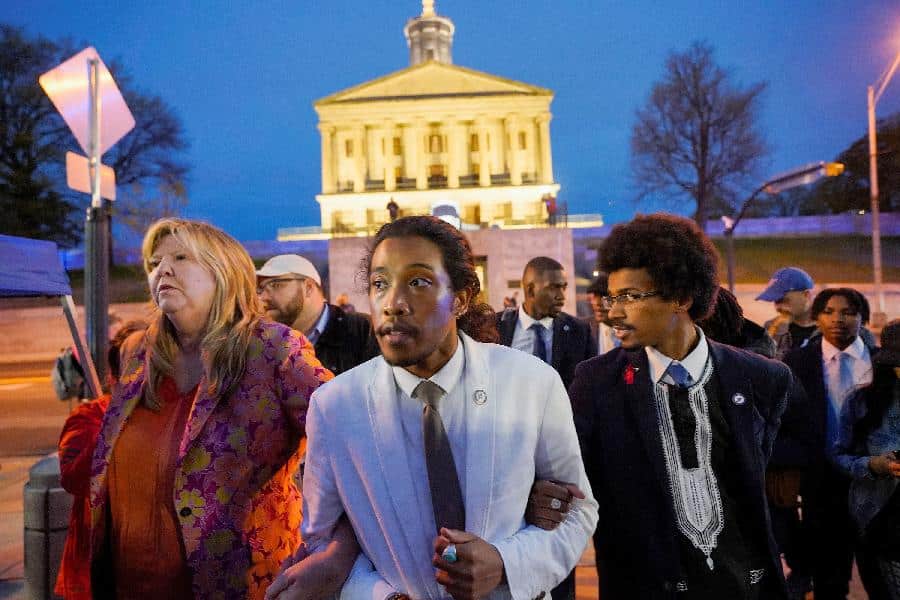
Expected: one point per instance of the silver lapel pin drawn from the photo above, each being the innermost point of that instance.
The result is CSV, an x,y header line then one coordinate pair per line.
x,y
738,399
480,397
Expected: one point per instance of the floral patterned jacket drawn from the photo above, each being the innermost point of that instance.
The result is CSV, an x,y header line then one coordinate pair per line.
x,y
234,494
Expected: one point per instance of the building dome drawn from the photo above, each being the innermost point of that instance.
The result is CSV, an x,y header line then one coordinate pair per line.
x,y
429,36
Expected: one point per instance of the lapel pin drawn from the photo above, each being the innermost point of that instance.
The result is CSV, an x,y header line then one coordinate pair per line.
x,y
480,397
565,327
738,399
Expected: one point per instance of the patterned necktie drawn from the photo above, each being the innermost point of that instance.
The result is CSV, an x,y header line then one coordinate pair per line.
x,y
446,494
679,374
540,349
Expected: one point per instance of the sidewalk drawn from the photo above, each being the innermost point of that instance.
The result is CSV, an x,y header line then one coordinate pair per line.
x,y
13,475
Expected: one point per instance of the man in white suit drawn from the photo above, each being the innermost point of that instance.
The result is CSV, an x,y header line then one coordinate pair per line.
x,y
504,420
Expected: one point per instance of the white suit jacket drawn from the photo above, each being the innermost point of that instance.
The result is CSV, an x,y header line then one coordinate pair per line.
x,y
519,428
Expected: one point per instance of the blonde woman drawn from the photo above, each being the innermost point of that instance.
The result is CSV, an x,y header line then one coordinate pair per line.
x,y
192,494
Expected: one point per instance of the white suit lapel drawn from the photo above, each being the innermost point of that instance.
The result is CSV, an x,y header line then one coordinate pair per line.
x,y
481,409
391,449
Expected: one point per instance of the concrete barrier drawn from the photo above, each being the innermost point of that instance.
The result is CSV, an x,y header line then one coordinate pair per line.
x,y
46,516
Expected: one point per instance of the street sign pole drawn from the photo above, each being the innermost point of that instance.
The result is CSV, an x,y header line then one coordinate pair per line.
x,y
97,235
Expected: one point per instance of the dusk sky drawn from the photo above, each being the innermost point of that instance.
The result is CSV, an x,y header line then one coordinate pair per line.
x,y
242,76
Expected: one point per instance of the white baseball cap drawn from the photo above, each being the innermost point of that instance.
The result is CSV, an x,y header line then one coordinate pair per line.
x,y
289,263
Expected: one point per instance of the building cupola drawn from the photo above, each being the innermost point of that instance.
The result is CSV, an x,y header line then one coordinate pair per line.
x,y
429,36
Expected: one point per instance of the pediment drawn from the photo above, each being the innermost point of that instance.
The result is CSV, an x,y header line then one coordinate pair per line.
x,y
432,80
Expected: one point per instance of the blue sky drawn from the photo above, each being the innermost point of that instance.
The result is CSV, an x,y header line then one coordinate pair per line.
x,y
243,76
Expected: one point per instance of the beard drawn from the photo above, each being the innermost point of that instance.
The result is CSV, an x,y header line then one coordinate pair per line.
x,y
288,314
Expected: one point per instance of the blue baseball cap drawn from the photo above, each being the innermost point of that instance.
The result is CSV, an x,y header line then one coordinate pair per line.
x,y
788,279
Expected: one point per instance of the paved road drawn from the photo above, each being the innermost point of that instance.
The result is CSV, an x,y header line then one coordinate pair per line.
x,y
30,415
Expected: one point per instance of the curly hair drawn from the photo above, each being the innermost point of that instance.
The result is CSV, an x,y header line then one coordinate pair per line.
x,y
479,320
853,297
678,256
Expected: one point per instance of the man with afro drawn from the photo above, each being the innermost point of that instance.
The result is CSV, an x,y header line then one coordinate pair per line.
x,y
676,429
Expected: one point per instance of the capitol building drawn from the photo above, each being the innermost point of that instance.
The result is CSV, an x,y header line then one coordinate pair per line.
x,y
435,138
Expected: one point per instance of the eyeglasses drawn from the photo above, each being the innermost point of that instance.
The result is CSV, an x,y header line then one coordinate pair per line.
x,y
270,285
607,302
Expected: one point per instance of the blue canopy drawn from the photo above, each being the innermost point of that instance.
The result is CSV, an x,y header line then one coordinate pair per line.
x,y
31,268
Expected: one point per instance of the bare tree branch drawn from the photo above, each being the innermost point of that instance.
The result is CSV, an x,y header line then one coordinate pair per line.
x,y
697,136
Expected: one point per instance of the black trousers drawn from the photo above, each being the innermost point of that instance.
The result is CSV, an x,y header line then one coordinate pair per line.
x,y
829,535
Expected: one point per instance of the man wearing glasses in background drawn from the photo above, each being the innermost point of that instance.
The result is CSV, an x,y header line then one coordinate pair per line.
x,y
291,291
675,429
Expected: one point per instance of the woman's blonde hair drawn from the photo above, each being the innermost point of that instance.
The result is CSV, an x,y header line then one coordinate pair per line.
x,y
233,317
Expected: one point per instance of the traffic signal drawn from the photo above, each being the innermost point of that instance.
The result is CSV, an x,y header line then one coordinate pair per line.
x,y
833,169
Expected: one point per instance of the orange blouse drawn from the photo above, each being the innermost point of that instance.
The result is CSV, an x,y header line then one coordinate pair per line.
x,y
147,549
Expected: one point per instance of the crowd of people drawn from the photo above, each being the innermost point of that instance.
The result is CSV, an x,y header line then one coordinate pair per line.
x,y
258,441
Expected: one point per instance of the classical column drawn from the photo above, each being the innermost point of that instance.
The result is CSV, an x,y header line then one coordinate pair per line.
x,y
359,158
329,185
388,160
484,165
543,123
513,162
420,152
454,151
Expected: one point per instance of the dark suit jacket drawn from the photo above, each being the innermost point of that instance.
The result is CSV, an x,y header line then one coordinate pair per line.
x,y
807,417
616,419
572,342
348,340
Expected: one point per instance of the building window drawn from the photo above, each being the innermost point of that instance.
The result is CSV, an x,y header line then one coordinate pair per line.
x,y
437,171
348,147
435,143
398,146
523,140
473,142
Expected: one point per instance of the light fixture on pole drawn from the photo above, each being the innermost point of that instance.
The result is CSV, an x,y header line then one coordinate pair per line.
x,y
879,318
785,181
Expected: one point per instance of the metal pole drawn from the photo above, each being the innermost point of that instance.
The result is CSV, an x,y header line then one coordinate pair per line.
x,y
876,220
729,249
96,267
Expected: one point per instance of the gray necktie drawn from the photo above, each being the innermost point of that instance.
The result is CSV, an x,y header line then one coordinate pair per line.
x,y
446,495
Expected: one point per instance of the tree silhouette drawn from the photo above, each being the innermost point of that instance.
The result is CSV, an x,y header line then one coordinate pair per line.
x,y
698,134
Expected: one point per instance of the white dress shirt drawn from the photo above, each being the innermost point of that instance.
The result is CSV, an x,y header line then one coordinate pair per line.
x,y
451,407
861,369
606,339
523,336
694,362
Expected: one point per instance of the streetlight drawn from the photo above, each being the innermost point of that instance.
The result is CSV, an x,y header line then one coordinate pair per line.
x,y
796,177
879,318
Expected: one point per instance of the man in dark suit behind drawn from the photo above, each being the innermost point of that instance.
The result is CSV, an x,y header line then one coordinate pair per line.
x,y
830,367
676,429
540,327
